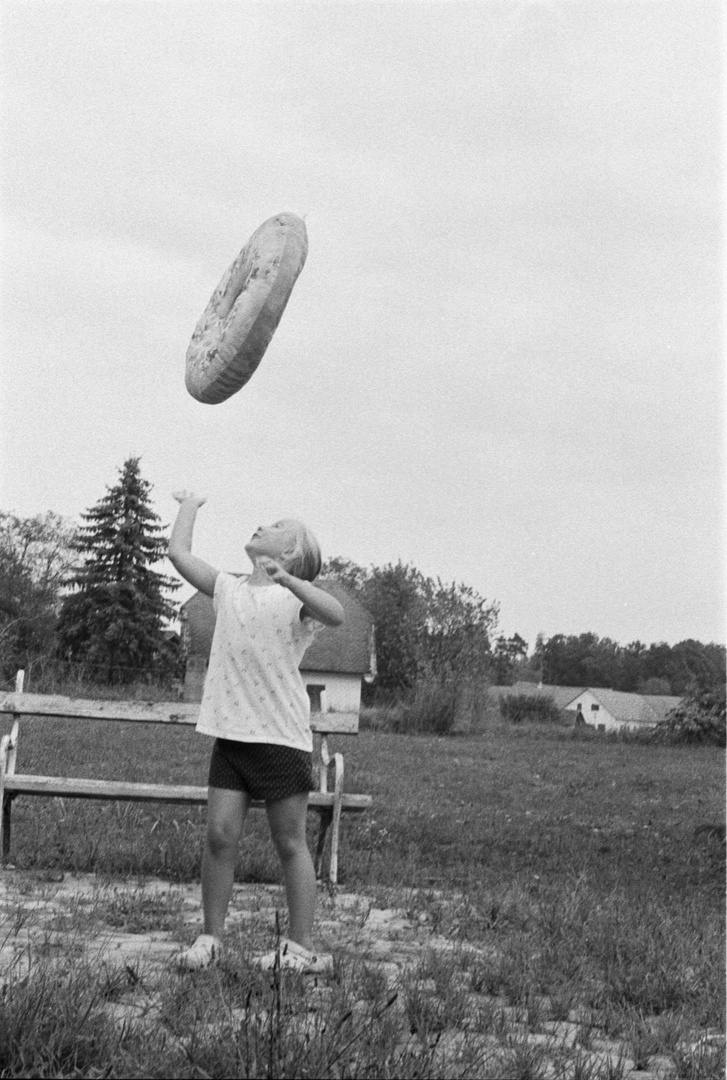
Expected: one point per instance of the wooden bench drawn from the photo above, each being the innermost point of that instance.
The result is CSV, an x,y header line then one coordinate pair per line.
x,y
328,804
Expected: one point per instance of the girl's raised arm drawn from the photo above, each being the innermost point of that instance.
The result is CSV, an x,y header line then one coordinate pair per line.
x,y
196,571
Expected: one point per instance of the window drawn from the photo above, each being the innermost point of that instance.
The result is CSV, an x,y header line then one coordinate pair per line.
x,y
595,708
314,693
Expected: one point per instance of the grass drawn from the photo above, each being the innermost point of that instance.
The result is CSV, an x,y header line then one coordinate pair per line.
x,y
573,859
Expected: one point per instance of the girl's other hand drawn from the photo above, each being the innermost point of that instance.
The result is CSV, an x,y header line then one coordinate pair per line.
x,y
272,569
187,496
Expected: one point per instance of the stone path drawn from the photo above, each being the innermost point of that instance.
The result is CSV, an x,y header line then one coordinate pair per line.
x,y
136,927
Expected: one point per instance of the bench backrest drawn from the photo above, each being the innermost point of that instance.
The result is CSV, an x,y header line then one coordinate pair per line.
x,y
149,712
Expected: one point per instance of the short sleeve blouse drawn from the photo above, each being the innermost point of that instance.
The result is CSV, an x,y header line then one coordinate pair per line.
x,y
254,691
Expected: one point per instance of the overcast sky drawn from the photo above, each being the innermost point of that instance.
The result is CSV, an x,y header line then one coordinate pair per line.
x,y
502,361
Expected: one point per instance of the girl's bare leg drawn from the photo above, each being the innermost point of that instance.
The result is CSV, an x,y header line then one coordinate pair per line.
x,y
226,812
287,818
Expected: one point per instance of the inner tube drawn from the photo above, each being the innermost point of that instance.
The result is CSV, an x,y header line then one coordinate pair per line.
x,y
230,339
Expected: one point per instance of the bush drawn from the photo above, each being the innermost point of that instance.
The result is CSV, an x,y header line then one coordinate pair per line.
x,y
431,711
48,675
531,708
699,718
438,708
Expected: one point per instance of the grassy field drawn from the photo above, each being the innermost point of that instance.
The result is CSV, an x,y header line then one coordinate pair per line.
x,y
574,855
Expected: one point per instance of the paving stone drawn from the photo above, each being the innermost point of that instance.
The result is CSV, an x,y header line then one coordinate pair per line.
x,y
565,1032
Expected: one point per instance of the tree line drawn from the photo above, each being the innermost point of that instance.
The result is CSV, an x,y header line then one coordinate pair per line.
x,y
426,629
587,660
92,595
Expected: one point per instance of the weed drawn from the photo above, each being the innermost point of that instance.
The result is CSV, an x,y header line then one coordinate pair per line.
x,y
615,1068
584,1034
425,1011
489,1018
670,1030
54,1024
641,1039
584,1066
139,914
523,1060
562,999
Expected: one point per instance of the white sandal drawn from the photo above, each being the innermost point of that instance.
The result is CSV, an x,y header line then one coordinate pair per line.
x,y
205,951
293,957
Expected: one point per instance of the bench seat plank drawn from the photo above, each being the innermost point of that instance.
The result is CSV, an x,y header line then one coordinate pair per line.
x,y
13,706
79,788
149,712
53,705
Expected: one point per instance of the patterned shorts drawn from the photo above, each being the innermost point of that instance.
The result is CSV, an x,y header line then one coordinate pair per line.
x,y
263,770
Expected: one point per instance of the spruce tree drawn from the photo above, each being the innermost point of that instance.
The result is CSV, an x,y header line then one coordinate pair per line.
x,y
114,620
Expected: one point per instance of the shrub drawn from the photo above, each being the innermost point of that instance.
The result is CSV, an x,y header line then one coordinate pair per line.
x,y
431,711
531,708
699,718
380,718
437,707
49,675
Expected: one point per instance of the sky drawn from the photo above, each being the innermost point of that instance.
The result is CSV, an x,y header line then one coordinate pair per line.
x,y
502,362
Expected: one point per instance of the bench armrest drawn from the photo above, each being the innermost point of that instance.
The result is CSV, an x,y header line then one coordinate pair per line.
x,y
9,750
326,759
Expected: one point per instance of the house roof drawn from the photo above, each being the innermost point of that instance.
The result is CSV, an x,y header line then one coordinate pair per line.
x,y
348,649
635,708
662,704
627,708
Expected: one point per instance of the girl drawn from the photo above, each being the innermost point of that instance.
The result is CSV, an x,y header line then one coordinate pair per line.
x,y
256,706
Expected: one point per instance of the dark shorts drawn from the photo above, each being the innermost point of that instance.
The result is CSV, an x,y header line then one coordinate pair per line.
x,y
264,770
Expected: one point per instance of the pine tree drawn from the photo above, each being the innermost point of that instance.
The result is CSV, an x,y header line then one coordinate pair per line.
x,y
114,620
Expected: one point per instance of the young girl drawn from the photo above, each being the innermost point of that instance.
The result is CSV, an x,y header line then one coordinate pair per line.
x,y
256,705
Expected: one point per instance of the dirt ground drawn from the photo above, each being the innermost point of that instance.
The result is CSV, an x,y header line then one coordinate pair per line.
x,y
117,925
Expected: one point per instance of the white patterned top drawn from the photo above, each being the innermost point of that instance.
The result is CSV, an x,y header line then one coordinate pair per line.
x,y
254,691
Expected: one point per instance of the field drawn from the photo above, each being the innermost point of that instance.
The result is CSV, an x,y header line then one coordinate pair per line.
x,y
559,914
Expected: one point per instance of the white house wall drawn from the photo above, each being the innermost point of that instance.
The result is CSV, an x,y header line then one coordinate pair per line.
x,y
342,692
593,717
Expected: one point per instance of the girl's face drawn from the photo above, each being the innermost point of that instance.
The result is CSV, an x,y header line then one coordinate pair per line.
x,y
272,540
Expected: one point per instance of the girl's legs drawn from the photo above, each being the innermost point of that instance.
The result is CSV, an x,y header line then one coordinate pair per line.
x,y
287,818
226,812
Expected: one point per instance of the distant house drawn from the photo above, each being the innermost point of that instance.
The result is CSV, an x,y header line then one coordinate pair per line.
x,y
609,710
333,667
606,710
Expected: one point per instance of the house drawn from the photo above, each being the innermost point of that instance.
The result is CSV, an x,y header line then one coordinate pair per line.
x,y
333,667
609,710
606,710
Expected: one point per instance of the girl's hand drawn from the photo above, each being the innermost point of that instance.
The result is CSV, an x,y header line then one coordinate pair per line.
x,y
273,570
189,496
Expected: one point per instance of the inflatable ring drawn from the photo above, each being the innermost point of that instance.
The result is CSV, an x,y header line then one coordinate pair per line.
x,y
230,339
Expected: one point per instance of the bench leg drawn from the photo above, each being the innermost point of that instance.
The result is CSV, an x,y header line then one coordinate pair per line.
x,y
4,800
336,822
326,816
5,826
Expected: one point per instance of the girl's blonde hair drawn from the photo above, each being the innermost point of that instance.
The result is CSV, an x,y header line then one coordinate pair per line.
x,y
306,560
